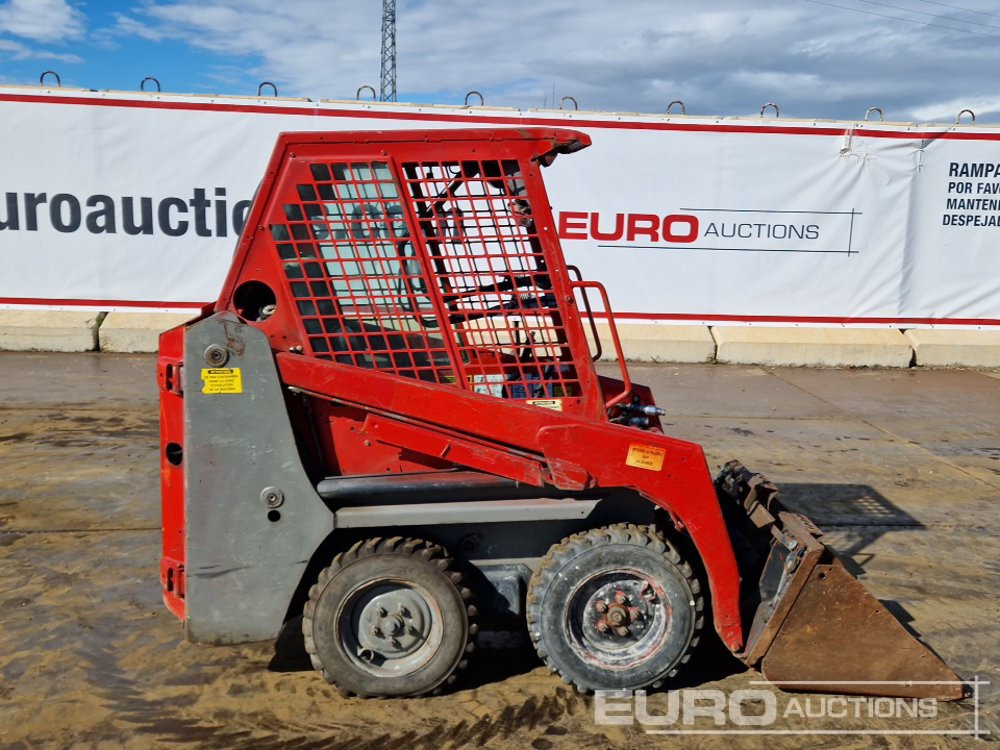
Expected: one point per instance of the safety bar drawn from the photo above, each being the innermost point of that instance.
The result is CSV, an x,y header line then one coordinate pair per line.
x,y
614,337
590,315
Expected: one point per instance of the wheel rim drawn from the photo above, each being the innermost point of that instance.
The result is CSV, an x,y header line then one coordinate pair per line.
x,y
389,627
617,619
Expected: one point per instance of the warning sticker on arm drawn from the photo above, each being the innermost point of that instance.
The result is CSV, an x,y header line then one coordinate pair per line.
x,y
648,457
222,380
555,404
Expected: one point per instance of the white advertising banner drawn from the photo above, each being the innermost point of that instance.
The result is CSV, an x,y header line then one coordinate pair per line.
x,y
115,201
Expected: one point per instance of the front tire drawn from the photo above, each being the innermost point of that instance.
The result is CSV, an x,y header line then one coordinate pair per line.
x,y
615,608
389,617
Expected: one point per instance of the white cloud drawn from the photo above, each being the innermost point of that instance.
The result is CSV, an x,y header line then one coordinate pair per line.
x,y
128,26
726,57
947,111
41,20
18,51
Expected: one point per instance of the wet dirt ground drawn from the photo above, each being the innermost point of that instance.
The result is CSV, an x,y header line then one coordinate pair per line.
x,y
902,468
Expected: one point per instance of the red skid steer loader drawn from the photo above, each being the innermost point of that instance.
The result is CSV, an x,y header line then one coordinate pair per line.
x,y
389,428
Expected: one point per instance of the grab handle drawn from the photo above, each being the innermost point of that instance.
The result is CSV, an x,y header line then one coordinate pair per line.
x,y
614,339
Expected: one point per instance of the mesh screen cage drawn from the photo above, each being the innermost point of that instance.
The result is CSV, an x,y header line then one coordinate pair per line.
x,y
423,254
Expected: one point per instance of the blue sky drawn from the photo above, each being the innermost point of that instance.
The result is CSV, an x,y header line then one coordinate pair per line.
x,y
920,60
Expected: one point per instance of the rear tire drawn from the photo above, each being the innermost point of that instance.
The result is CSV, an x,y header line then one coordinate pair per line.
x,y
615,608
389,617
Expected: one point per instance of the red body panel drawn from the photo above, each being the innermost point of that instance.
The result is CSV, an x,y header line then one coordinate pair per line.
x,y
171,469
168,376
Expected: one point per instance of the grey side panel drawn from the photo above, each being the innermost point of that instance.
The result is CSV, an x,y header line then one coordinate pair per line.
x,y
242,566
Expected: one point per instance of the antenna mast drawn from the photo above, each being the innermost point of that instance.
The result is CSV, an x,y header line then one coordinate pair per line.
x,y
388,77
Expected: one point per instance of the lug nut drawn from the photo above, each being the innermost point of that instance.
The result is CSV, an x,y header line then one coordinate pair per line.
x,y
621,630
620,597
381,612
402,611
601,605
602,627
633,613
377,631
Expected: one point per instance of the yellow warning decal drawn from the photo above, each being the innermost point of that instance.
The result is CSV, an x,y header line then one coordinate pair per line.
x,y
546,403
222,380
647,457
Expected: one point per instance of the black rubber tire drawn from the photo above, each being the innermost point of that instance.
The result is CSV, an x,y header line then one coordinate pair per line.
x,y
571,583
341,602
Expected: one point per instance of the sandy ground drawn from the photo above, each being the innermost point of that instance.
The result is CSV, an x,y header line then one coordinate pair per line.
x,y
902,469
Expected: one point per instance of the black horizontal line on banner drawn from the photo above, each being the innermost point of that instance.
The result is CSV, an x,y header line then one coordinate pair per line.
x,y
732,249
773,211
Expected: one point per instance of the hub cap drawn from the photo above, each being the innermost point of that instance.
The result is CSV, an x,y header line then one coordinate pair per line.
x,y
389,628
618,618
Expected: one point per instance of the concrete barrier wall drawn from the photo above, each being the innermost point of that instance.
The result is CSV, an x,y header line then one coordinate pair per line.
x,y
72,331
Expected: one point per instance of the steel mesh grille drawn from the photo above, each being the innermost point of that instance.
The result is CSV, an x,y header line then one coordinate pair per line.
x,y
476,221
361,285
353,272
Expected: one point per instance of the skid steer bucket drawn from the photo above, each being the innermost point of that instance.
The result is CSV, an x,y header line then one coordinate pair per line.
x,y
813,626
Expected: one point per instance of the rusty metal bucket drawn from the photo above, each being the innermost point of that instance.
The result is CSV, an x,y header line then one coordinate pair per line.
x,y
813,626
